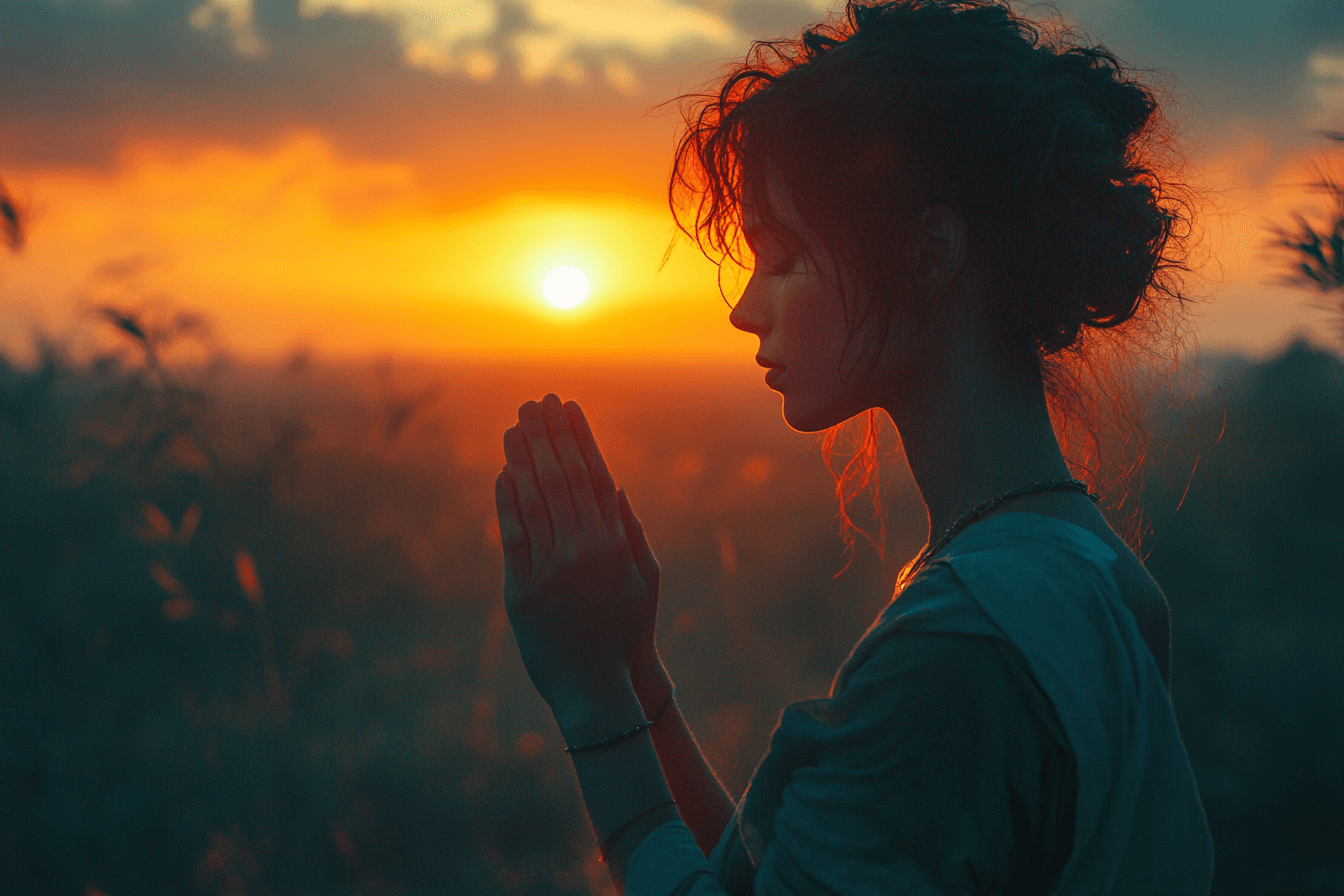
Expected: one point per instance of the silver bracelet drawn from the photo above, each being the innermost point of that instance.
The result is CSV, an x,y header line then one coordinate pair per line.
x,y
629,732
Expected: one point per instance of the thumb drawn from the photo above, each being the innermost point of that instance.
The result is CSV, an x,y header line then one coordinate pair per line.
x,y
645,562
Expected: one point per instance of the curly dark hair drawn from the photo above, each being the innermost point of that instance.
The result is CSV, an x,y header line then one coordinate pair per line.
x,y
1054,153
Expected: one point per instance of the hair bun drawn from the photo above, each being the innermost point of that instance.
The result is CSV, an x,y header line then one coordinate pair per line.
x,y
1124,106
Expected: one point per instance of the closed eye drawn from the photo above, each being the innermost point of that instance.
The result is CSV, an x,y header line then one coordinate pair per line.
x,y
788,260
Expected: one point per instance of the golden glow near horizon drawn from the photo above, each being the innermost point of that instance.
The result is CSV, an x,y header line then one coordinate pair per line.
x,y
565,287
295,245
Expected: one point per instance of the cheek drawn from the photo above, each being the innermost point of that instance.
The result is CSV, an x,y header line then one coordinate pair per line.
x,y
816,320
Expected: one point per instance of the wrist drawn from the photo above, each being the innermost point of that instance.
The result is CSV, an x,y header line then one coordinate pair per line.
x,y
651,683
597,713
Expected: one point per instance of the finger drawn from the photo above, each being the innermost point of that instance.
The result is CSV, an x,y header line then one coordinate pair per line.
x,y
512,533
572,462
645,562
604,488
546,469
531,505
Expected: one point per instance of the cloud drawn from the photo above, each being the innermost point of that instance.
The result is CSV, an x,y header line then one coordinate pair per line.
x,y
440,35
763,18
1328,85
561,38
84,78
422,78
452,36
236,16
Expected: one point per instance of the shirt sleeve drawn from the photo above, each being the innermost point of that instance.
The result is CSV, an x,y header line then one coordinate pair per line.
x,y
937,769
669,863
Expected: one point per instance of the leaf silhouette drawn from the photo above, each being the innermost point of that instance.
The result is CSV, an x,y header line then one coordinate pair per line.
x,y
11,221
126,323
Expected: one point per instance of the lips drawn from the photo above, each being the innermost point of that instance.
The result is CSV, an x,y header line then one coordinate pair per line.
x,y
773,375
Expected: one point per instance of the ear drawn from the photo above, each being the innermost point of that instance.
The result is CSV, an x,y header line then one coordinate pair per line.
x,y
942,246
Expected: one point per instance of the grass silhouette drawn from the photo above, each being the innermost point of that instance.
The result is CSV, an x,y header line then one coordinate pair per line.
x,y
252,641
215,682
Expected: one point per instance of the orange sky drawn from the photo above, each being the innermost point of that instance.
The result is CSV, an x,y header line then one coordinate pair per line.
x,y
434,242
297,247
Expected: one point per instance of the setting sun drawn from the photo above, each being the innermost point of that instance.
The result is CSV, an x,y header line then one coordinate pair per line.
x,y
565,286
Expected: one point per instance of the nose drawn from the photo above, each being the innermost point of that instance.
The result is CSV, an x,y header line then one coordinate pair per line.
x,y
751,314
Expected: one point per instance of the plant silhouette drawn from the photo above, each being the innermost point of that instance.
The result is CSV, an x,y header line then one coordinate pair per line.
x,y
1317,256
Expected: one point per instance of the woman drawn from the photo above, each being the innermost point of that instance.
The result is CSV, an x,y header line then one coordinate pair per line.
x,y
939,204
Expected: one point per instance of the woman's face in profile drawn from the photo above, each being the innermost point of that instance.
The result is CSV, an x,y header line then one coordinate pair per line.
x,y
798,314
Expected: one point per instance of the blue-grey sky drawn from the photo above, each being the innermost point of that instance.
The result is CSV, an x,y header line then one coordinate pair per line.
x,y
81,76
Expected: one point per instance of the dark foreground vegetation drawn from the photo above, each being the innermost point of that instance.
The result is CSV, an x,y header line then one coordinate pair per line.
x,y
251,643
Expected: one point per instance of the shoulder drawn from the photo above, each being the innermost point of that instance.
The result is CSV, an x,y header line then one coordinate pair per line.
x,y
936,763
1067,513
934,759
923,687
1068,604
928,698
936,602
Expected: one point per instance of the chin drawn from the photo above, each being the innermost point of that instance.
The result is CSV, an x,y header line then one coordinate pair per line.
x,y
811,419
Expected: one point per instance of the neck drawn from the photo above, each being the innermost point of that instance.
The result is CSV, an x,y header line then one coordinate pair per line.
x,y
971,432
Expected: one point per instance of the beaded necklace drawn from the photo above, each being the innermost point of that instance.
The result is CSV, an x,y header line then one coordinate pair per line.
x,y
1072,485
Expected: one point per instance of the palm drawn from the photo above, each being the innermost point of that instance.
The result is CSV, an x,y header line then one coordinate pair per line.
x,y
580,583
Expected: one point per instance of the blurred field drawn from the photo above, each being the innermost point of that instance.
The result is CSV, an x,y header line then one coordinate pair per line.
x,y
252,641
